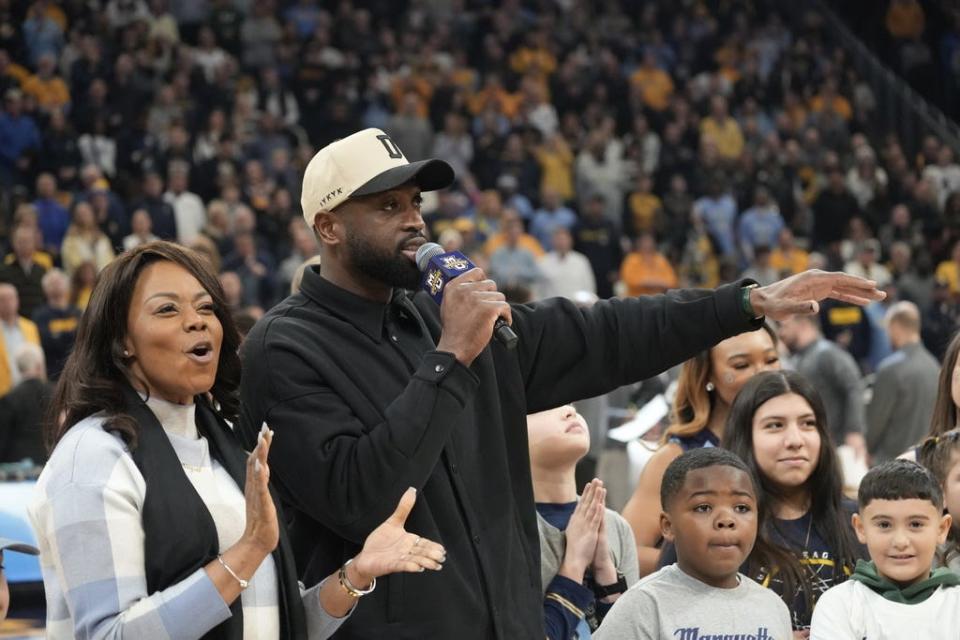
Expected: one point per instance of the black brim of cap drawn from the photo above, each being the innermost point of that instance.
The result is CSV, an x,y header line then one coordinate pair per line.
x,y
429,175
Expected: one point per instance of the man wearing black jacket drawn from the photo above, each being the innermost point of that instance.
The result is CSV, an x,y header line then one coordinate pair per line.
x,y
371,389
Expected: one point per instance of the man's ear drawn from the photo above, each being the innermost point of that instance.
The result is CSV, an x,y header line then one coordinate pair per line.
x,y
945,523
666,526
857,522
328,228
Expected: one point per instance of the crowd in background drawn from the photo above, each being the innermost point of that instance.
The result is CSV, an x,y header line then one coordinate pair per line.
x,y
601,148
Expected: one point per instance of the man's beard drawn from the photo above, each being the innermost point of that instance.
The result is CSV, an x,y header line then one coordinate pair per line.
x,y
391,268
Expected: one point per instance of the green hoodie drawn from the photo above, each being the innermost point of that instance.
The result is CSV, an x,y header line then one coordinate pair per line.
x,y
866,572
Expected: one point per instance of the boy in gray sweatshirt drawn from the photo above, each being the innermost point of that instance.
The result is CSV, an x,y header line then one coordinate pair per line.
x,y
709,513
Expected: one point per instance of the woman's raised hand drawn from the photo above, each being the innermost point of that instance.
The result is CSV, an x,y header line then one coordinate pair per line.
x,y
390,548
263,530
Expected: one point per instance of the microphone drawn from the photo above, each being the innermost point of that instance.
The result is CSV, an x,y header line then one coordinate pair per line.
x,y
439,268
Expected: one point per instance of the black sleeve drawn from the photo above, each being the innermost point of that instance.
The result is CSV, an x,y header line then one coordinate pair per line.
x,y
567,353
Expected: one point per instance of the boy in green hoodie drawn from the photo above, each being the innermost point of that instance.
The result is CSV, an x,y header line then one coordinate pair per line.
x,y
896,595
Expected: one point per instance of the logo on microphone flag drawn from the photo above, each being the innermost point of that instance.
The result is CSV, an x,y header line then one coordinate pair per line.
x,y
442,269
434,282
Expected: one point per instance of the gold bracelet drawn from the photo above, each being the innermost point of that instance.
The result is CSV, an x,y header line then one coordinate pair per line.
x,y
351,590
243,583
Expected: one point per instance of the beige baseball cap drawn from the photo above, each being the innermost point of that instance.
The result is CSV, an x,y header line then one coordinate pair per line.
x,y
363,163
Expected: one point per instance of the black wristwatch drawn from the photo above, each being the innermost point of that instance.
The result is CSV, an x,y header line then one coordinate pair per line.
x,y
619,586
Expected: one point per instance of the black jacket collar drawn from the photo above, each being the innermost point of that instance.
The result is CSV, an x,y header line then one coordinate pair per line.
x,y
367,315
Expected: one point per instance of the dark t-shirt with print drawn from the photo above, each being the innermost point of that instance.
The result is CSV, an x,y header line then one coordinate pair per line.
x,y
816,555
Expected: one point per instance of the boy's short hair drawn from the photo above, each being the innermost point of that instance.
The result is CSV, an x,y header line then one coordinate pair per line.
x,y
676,473
899,480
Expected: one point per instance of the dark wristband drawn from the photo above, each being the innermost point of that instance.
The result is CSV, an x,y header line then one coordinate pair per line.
x,y
745,301
602,591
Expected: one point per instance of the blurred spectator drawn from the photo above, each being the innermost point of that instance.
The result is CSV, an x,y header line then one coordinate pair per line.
x,y
277,100
907,280
643,146
832,211
226,21
511,218
85,242
232,291
866,264
948,271
141,230
188,209
162,215
835,375
566,273
122,13
644,211
905,19
23,272
18,136
760,225
596,237
941,319
52,216
904,389
556,166
15,332
786,257
900,228
646,271
509,186
208,56
297,278
829,101
600,170
652,83
677,205
722,130
46,87
699,263
718,210
23,409
98,147
259,36
551,215
56,321
760,268
304,248
81,284
59,154
513,263
944,176
410,130
254,267
43,32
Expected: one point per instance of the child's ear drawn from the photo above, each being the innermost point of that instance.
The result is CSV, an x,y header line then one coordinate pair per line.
x,y
666,527
857,522
945,523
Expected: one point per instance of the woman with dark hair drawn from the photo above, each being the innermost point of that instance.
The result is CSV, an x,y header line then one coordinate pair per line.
x,y
947,404
151,520
805,542
707,386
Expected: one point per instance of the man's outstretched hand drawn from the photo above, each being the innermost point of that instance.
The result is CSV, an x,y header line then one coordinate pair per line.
x,y
801,293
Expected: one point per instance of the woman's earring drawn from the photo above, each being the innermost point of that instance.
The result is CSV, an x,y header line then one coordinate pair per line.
x,y
710,387
126,354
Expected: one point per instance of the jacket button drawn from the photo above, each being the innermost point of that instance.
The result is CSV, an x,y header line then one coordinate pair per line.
x,y
476,539
438,368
